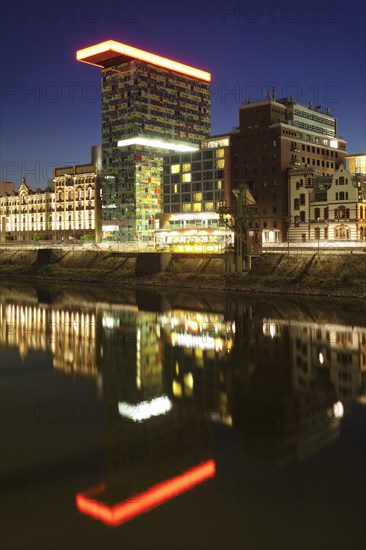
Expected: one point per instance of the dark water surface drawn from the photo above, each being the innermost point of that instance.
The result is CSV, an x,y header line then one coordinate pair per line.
x,y
180,420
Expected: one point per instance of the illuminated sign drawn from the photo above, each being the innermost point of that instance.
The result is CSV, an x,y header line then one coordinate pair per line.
x,y
183,147
96,55
143,502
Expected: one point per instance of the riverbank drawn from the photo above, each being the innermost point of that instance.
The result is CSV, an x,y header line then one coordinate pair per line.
x,y
338,275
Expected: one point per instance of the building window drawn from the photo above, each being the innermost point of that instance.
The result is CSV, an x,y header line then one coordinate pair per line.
x,y
187,167
302,198
317,213
175,169
326,213
187,177
302,216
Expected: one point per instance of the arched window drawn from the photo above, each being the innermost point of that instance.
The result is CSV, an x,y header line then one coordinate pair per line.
x,y
326,213
317,213
302,198
296,204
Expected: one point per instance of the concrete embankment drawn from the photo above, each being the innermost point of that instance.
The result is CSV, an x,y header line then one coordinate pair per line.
x,y
316,274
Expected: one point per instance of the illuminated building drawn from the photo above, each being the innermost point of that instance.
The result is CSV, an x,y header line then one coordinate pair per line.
x,y
195,186
71,210
150,105
356,163
274,136
327,208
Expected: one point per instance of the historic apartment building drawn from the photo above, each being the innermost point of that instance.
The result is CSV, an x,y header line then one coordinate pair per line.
x,y
150,105
273,137
71,210
327,208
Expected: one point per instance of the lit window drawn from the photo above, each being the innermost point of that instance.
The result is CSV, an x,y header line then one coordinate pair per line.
x,y
187,177
219,184
175,168
175,188
220,163
187,167
197,207
209,206
187,207
197,196
220,153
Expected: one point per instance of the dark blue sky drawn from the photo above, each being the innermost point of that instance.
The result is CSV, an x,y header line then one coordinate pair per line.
x,y
50,104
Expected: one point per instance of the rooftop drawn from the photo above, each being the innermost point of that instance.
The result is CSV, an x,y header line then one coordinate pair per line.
x,y
102,54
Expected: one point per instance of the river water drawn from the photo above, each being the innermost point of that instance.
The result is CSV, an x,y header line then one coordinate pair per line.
x,y
180,420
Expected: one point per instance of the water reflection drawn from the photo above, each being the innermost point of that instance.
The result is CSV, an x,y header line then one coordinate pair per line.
x,y
283,377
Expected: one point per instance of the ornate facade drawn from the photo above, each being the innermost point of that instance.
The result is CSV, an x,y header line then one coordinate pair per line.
x,y
69,211
327,208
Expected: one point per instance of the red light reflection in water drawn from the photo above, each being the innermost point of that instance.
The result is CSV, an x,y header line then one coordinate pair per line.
x,y
143,502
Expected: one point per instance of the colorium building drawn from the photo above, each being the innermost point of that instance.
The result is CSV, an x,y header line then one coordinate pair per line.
x,y
151,106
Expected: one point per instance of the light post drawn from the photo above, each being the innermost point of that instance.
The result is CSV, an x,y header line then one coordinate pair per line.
x,y
318,220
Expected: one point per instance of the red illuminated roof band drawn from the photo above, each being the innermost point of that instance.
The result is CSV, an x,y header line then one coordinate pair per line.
x,y
100,53
143,502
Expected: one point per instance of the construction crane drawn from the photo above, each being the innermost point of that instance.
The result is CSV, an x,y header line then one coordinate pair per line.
x,y
241,219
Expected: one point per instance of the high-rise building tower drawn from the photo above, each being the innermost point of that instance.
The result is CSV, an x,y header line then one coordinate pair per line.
x,y
273,137
150,105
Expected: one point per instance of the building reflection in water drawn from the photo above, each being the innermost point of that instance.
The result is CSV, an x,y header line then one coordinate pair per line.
x,y
283,382
68,334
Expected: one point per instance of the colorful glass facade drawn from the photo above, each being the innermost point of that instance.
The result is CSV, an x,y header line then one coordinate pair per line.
x,y
141,99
